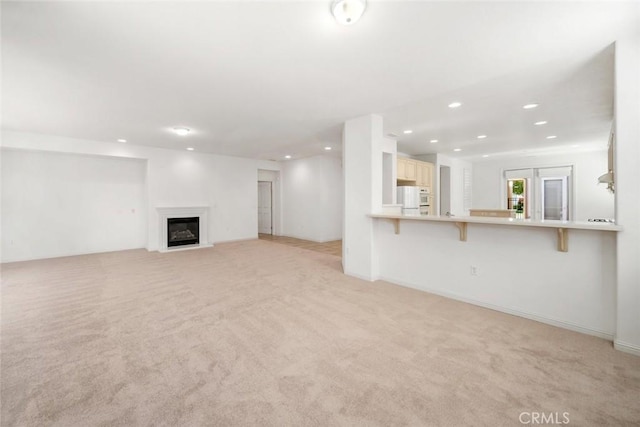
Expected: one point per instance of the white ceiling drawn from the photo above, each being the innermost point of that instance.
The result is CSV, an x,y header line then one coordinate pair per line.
x,y
265,79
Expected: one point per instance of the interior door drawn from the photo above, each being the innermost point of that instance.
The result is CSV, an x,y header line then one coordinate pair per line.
x,y
554,198
264,207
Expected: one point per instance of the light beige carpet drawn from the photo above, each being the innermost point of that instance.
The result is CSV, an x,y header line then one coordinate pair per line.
x,y
258,333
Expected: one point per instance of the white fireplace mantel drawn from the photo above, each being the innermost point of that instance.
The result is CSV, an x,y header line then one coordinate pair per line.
x,y
165,213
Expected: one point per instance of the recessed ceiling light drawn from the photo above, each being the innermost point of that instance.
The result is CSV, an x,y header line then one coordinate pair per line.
x,y
529,106
190,148
485,155
455,104
457,149
408,131
327,148
122,140
433,141
182,131
287,156
540,123
482,136
551,137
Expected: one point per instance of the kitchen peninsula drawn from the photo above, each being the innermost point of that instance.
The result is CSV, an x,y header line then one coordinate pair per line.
x,y
561,273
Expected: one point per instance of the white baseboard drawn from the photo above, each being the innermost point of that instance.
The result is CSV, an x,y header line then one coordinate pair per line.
x,y
243,239
626,347
324,240
532,316
359,276
98,251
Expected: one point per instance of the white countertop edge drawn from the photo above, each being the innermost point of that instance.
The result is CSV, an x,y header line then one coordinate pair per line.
x,y
580,225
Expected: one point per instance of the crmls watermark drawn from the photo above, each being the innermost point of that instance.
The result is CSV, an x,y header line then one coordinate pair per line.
x,y
546,418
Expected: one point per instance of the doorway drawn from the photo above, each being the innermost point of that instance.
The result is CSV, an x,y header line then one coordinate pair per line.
x,y
445,190
265,223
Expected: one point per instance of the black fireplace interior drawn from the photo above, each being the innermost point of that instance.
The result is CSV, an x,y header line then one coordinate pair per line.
x,y
183,231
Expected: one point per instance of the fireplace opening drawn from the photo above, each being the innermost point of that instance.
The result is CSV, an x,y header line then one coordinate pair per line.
x,y
183,231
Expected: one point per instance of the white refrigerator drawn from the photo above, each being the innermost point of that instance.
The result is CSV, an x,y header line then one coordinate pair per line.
x,y
409,198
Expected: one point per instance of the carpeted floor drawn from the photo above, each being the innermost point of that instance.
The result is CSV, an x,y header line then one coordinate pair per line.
x,y
259,333
333,247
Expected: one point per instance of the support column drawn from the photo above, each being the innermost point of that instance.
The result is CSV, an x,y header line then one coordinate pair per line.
x,y
362,141
627,179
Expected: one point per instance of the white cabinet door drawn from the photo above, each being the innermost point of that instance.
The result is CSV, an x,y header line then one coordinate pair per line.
x,y
264,207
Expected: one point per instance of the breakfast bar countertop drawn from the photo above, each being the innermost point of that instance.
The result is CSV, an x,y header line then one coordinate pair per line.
x,y
562,227
580,225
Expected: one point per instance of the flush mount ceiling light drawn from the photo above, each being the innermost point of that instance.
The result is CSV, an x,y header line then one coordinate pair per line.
x,y
529,106
433,141
287,156
457,149
190,148
181,131
122,140
327,148
485,155
347,12
481,136
551,137
540,123
455,104
408,131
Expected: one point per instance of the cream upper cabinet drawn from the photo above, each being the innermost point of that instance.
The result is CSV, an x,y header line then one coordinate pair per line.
x,y
424,175
402,168
407,169
413,170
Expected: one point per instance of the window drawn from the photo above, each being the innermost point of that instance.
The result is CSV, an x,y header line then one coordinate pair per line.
x,y
517,199
519,191
540,193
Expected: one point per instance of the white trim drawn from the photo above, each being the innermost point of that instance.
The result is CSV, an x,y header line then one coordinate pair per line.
x,y
360,276
531,316
242,239
165,213
626,347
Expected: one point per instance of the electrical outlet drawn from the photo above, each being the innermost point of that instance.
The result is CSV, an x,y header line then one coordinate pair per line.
x,y
474,270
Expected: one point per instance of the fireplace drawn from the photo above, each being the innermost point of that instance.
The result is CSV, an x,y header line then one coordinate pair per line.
x,y
183,231
172,215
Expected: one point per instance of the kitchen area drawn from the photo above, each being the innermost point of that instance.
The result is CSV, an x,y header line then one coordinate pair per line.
x,y
487,261
415,186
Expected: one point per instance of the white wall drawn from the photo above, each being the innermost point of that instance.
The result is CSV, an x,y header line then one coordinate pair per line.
x,y
590,199
312,198
57,204
519,270
176,179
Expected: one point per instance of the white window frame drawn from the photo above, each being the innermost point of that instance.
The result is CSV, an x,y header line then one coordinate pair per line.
x,y
566,208
534,176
